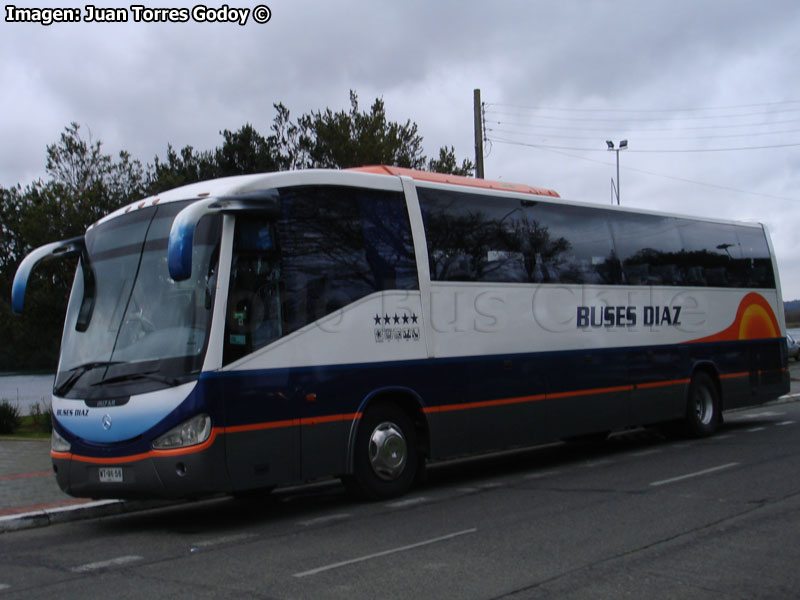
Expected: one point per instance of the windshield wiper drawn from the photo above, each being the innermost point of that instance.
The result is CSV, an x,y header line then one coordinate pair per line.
x,y
79,371
152,375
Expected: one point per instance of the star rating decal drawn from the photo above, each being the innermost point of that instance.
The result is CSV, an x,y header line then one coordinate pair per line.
x,y
400,326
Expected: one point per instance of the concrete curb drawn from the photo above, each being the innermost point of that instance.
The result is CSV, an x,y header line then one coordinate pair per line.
x,y
89,510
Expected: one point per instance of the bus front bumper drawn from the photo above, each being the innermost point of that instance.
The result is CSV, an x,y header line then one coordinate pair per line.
x,y
155,475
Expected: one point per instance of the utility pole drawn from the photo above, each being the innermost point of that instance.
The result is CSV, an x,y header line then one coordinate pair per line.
x,y
478,134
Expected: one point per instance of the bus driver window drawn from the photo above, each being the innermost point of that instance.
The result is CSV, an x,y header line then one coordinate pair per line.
x,y
254,307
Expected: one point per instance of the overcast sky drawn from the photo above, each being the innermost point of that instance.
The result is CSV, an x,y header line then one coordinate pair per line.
x,y
706,92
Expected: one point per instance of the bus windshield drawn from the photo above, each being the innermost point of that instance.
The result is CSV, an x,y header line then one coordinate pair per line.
x,y
130,328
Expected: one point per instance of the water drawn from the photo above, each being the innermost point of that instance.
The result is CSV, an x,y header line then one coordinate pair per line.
x,y
24,391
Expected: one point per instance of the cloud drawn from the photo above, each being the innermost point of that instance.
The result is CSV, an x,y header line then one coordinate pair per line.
x,y
140,86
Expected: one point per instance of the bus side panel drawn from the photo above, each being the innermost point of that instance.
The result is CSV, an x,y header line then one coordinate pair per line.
x,y
660,377
261,436
755,372
484,403
588,392
491,403
285,425
327,401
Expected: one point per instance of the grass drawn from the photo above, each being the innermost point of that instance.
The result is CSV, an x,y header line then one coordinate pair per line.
x,y
36,425
28,429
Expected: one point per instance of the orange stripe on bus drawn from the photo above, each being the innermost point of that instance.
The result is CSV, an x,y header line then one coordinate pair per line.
x,y
309,421
747,373
521,399
329,419
735,375
116,460
607,390
260,426
483,404
537,397
655,384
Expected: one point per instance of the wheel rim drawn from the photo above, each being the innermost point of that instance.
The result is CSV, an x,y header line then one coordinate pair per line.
x,y
388,451
704,405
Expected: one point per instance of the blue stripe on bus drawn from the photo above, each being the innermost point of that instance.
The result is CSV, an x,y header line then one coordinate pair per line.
x,y
307,396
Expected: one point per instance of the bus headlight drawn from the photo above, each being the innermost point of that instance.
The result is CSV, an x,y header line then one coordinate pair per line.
x,y
189,433
58,443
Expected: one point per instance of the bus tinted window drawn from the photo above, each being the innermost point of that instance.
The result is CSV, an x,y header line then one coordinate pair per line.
x,y
756,261
648,247
587,254
340,244
472,237
481,238
331,246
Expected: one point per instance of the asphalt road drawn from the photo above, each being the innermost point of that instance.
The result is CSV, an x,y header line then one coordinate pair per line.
x,y
639,516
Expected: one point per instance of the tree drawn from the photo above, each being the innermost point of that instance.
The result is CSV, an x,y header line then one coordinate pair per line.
x,y
353,139
447,163
319,139
180,169
246,151
84,183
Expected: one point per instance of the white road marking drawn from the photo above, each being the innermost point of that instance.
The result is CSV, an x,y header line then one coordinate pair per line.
x,y
323,520
766,413
785,423
754,429
599,463
4,586
696,474
221,540
647,452
407,502
490,485
113,562
541,474
367,557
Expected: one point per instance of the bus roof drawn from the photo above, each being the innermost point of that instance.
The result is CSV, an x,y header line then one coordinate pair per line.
x,y
457,180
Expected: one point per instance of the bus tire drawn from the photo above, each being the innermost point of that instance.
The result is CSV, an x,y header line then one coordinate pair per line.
x,y
386,454
703,413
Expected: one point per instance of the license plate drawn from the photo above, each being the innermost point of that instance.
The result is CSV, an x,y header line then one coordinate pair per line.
x,y
110,475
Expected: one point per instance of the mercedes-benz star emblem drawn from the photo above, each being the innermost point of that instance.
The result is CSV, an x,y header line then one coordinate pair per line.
x,y
106,422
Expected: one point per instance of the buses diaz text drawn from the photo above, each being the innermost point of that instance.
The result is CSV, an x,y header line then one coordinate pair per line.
x,y
627,316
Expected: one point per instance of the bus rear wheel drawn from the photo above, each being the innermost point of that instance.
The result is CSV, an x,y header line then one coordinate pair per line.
x,y
703,406
386,453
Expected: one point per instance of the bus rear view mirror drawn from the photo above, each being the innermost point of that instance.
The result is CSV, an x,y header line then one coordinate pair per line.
x,y
62,249
181,236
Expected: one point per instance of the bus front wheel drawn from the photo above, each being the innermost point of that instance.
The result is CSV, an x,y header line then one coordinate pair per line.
x,y
703,406
386,454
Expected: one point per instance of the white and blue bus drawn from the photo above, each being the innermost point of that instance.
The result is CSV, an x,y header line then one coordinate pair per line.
x,y
242,333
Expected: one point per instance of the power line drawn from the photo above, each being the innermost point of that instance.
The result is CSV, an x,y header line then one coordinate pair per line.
x,y
664,176
572,118
643,110
649,129
551,129
640,138
688,150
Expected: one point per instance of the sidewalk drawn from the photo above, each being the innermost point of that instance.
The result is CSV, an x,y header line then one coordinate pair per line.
x,y
30,496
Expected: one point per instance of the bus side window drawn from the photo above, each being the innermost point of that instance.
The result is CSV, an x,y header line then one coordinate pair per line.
x,y
254,309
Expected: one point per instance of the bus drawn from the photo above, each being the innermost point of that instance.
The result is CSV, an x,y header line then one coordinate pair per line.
x,y
248,332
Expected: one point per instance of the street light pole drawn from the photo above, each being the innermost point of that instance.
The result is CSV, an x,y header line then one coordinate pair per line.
x,y
623,145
